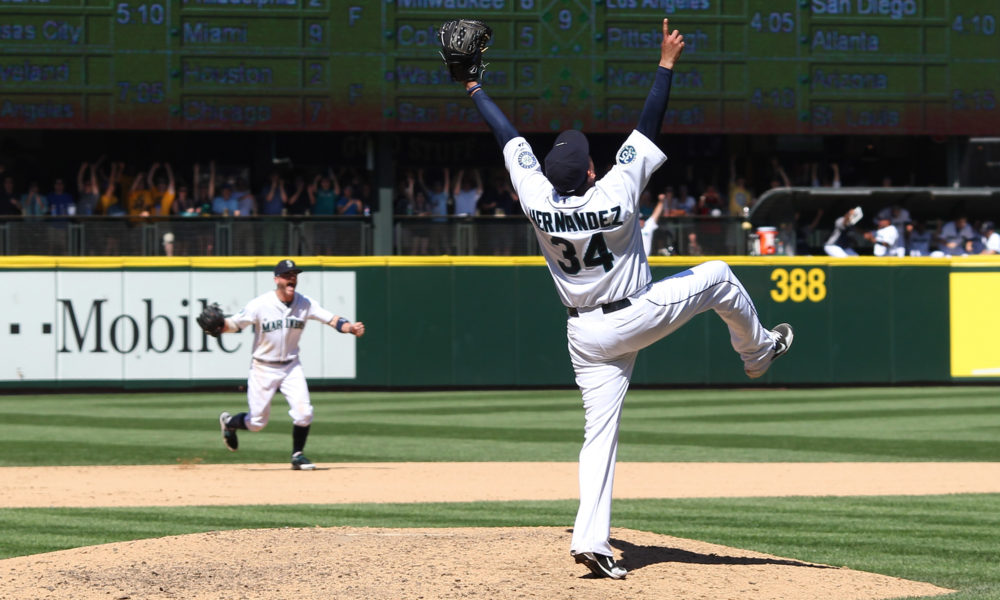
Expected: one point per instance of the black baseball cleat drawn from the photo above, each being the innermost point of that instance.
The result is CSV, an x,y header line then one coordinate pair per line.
x,y
301,463
228,433
601,565
783,341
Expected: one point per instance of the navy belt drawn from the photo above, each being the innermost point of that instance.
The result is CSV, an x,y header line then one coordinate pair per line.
x,y
610,307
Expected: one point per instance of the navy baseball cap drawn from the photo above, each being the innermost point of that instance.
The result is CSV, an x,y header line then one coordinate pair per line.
x,y
987,226
286,266
568,161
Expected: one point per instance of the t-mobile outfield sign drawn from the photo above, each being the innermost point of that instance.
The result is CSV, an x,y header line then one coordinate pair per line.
x,y
140,325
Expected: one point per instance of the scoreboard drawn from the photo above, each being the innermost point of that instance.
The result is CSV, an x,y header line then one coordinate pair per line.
x,y
750,66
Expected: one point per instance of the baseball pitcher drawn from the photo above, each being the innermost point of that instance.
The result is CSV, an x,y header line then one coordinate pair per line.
x,y
589,233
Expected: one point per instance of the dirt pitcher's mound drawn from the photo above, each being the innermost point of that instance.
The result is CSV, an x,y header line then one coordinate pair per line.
x,y
394,564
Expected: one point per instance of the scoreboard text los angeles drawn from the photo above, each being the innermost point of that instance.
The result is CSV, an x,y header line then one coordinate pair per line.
x,y
750,66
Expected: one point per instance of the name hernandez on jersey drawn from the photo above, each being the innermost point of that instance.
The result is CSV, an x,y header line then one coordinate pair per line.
x,y
591,243
278,327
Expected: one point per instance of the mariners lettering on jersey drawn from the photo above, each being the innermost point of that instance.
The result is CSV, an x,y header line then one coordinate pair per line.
x,y
553,222
289,323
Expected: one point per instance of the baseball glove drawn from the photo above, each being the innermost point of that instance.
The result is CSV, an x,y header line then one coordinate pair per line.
x,y
211,320
463,42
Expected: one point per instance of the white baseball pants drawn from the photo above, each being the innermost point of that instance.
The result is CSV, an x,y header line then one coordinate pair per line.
x,y
266,379
603,348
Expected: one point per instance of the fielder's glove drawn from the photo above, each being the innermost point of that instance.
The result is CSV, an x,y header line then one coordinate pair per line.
x,y
463,42
211,320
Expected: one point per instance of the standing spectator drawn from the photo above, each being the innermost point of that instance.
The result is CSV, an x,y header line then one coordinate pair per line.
x,y
61,201
224,204
739,196
956,236
35,203
86,186
139,200
323,194
779,178
990,239
298,202
246,204
162,192
349,204
110,205
203,190
416,205
467,193
245,201
438,197
815,180
10,204
273,196
503,197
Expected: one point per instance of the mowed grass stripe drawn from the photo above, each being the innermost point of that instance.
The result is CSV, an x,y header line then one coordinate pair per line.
x,y
862,424
941,539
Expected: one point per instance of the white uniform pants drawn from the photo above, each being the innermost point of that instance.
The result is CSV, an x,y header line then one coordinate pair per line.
x,y
266,379
603,348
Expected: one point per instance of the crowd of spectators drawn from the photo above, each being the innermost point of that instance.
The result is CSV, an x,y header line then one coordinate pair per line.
x,y
116,189
434,194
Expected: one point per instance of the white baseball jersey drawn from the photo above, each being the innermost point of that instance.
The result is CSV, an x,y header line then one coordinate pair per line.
x,y
888,242
992,242
591,243
279,327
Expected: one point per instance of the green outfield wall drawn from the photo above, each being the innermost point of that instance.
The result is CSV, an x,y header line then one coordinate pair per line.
x,y
461,322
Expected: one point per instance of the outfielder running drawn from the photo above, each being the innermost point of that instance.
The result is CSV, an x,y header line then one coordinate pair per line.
x,y
278,318
588,230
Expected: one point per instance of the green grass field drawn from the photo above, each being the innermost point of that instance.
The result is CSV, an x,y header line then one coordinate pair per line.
x,y
947,540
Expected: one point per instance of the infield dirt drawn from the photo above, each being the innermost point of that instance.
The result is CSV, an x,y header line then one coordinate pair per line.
x,y
384,564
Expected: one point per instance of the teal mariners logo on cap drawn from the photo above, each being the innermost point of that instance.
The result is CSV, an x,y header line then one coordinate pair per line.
x,y
527,160
626,155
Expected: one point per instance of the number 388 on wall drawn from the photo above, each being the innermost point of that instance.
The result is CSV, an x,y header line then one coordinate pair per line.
x,y
798,285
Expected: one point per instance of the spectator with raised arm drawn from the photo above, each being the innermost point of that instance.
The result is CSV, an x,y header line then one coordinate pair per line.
x,y
779,178
323,193
273,196
162,192
86,186
224,204
298,201
140,198
110,204
467,192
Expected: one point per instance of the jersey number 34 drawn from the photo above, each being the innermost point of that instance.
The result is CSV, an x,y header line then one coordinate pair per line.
x,y
596,254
